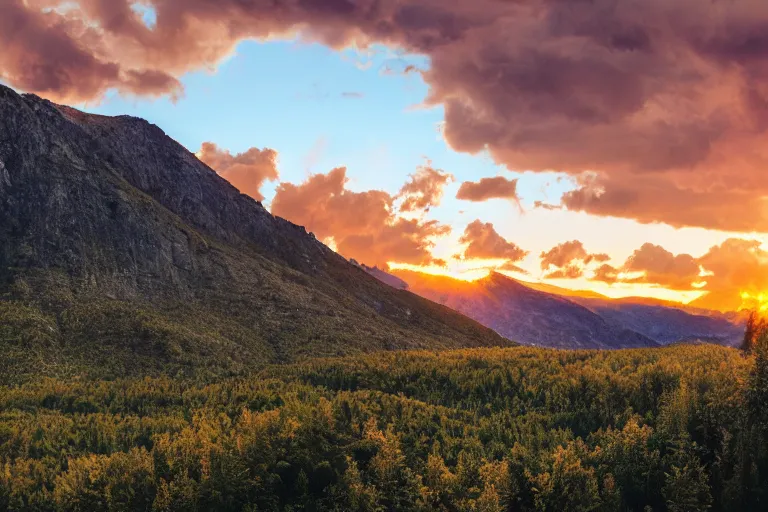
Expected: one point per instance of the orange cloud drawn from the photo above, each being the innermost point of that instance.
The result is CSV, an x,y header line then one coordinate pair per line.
x,y
484,242
663,268
665,102
705,199
736,265
489,188
652,264
606,273
567,272
726,270
424,189
246,171
569,259
364,225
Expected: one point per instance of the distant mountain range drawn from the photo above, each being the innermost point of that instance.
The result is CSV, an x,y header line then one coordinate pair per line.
x,y
544,315
667,324
122,254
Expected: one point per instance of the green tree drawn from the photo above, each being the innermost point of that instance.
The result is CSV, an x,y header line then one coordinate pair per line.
x,y
397,484
755,326
754,433
569,485
686,488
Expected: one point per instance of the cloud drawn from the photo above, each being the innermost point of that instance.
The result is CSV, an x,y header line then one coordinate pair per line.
x,y
569,260
606,273
483,242
736,265
58,55
424,189
663,268
400,68
364,225
567,272
547,206
679,201
511,267
563,254
246,171
665,102
489,188
316,153
353,95
652,264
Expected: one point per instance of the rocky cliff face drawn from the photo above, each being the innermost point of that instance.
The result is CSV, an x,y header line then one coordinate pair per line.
x,y
74,185
110,211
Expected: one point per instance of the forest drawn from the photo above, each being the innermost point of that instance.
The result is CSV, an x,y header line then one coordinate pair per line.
x,y
682,428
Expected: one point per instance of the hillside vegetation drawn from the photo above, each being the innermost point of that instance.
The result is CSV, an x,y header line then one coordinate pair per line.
x,y
681,429
48,327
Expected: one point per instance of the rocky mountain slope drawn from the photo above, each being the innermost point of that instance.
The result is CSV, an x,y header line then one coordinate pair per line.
x,y
121,254
529,316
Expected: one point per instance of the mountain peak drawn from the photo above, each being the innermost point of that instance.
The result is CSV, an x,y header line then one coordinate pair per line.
x,y
108,216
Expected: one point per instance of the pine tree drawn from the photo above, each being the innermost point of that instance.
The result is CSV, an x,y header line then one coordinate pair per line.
x,y
754,326
754,467
687,484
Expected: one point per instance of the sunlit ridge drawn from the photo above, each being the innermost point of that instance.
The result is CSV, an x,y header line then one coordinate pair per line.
x,y
473,270
461,270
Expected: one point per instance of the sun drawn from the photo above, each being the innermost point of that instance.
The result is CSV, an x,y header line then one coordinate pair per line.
x,y
754,301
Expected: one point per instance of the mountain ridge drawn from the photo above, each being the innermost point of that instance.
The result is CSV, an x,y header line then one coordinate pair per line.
x,y
529,316
657,322
122,254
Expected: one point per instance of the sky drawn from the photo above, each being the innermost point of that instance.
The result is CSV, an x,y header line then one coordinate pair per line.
x,y
613,145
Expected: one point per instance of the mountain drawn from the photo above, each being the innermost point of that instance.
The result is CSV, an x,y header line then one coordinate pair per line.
x,y
122,254
663,321
529,316
563,292
667,324
531,312
383,276
648,301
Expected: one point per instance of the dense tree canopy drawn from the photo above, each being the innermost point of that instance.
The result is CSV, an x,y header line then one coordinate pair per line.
x,y
678,429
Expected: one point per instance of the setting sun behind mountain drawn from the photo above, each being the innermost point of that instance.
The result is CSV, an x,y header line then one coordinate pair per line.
x,y
754,301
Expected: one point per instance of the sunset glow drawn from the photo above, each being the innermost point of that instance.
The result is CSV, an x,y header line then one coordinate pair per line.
x,y
462,270
754,301
472,271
